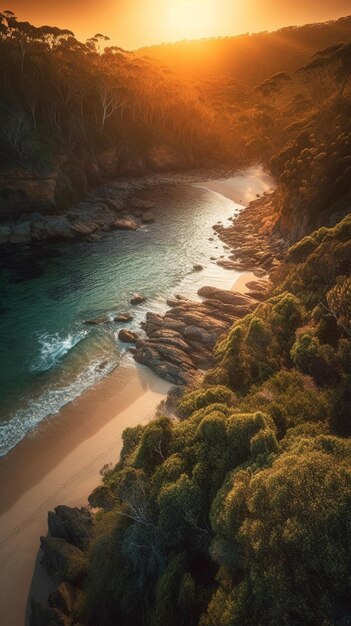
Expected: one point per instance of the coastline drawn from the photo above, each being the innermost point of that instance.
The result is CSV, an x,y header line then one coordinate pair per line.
x,y
61,460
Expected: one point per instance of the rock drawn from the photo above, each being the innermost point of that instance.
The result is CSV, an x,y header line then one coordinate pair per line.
x,y
5,233
83,228
63,598
62,559
148,217
197,268
198,334
123,317
97,320
20,233
115,204
101,366
72,524
137,298
257,285
175,373
127,336
57,228
125,223
139,203
227,297
260,272
44,615
36,217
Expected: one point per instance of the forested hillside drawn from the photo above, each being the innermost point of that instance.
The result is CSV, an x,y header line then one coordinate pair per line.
x,y
75,112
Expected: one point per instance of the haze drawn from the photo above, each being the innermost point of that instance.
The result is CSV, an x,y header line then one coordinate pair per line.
x,y
136,23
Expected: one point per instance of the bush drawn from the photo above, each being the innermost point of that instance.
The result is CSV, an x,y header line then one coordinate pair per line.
x,y
311,357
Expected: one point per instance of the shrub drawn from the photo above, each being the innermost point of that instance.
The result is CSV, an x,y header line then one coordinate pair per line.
x,y
311,357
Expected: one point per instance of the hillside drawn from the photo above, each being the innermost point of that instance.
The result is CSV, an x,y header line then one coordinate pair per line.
x,y
250,58
73,114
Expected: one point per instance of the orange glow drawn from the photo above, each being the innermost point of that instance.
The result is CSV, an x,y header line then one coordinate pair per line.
x,y
135,23
187,19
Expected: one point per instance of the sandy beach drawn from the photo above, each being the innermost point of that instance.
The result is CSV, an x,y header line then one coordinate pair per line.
x,y
244,187
60,461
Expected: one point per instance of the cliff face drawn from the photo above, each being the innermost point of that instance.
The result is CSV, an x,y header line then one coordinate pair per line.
x,y
24,190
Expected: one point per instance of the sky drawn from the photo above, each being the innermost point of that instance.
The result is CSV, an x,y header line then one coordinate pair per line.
x,y
135,23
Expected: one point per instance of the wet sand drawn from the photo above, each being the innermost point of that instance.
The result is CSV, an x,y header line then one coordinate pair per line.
x,y
60,463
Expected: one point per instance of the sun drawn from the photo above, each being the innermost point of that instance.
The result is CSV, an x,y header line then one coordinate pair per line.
x,y
192,18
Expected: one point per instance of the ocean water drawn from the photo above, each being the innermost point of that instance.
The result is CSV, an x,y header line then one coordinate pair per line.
x,y
48,356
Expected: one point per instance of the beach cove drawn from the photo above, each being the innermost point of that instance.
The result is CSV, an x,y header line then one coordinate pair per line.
x,y
60,459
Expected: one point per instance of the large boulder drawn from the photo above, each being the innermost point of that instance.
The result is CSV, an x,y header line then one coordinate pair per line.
x,y
227,297
127,336
137,298
97,320
72,524
123,317
125,223
63,560
139,203
148,217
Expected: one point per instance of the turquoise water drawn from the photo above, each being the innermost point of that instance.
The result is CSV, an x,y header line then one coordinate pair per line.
x,y
47,355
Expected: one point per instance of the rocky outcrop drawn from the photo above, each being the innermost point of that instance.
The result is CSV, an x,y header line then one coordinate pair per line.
x,y
72,524
253,238
181,342
121,202
62,560
22,189
225,297
59,609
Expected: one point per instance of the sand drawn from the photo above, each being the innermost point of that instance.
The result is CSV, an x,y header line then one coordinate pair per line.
x,y
61,463
244,187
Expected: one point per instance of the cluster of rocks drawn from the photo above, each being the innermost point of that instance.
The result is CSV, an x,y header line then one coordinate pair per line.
x,y
89,217
62,557
180,343
255,241
117,204
123,318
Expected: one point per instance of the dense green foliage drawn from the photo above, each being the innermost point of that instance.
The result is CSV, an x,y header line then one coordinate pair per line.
x,y
240,512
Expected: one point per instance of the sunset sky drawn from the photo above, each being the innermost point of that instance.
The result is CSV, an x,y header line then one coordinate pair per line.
x,y
135,23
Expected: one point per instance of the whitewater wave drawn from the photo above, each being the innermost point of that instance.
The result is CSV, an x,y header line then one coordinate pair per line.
x,y
49,403
53,348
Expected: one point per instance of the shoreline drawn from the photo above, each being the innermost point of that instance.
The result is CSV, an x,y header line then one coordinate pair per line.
x,y
60,461
115,204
